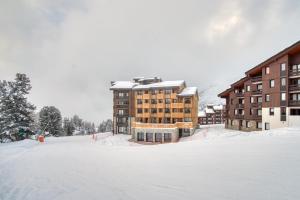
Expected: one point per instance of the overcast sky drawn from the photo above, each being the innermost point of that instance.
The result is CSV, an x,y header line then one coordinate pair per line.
x,y
72,49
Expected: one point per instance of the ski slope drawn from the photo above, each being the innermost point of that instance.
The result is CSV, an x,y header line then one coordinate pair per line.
x,y
213,164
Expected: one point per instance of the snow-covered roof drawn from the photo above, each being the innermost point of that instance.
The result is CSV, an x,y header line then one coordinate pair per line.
x,y
209,111
218,107
188,91
162,84
201,114
123,85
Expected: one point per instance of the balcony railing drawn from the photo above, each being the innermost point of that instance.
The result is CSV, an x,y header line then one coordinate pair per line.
x,y
256,79
256,105
239,106
257,92
239,116
294,103
294,72
294,87
255,117
239,94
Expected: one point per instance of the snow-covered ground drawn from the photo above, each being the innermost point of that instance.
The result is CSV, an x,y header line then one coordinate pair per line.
x,y
212,164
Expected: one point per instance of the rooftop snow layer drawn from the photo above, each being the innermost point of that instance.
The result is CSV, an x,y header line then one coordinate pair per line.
x,y
123,85
189,91
162,84
219,107
201,114
209,111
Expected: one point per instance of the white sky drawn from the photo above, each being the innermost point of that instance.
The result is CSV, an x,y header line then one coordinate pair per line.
x,y
72,49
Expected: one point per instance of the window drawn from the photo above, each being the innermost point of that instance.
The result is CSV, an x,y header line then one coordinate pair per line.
x,y
167,110
282,67
271,111
251,111
248,88
259,99
154,92
259,112
149,137
251,99
247,124
153,110
146,110
139,101
121,112
295,112
187,100
283,81
187,119
267,126
167,101
259,87
153,120
267,70
139,110
146,101
158,137
283,96
174,101
160,110
259,125
160,100
186,130
267,98
139,92
153,101
187,110
272,83
168,91
174,110
167,137
140,136
122,129
146,92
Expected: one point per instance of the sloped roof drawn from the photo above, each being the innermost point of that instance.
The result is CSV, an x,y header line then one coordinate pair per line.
x,y
201,114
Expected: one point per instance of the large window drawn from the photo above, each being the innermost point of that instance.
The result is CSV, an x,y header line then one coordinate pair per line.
x,y
167,101
295,111
153,101
139,101
140,110
153,110
251,99
248,88
187,119
187,100
247,124
259,125
167,110
267,70
259,87
187,110
267,126
259,112
259,99
149,137
140,136
158,137
168,91
167,137
283,81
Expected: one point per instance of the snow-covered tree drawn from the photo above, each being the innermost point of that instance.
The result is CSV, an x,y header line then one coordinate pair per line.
x,y
68,126
51,121
105,126
16,113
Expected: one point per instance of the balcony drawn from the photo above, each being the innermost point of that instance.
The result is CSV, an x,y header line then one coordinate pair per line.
x,y
257,92
239,94
294,73
294,88
294,103
256,80
256,105
239,106
255,117
239,116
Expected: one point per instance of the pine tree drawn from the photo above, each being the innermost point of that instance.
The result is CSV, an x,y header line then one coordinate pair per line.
x,y
51,120
16,111
69,127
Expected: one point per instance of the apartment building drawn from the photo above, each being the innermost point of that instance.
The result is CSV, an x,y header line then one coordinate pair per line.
x,y
268,96
212,114
158,111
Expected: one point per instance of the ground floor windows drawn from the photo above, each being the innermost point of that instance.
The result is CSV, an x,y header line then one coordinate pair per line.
x,y
271,111
295,112
247,124
267,126
122,129
259,125
140,136
167,137
149,137
158,137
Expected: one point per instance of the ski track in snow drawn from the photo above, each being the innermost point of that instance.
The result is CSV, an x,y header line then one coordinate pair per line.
x,y
214,163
